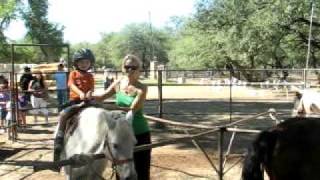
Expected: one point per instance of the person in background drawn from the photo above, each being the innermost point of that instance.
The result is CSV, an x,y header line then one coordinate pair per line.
x,y
24,82
10,121
4,98
130,96
23,108
108,79
39,94
81,84
61,85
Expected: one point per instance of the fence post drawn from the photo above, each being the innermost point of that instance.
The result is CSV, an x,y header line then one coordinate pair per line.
x,y
305,78
12,126
220,151
230,97
158,124
160,92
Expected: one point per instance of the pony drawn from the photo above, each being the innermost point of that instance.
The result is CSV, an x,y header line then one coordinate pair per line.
x,y
288,151
100,131
306,103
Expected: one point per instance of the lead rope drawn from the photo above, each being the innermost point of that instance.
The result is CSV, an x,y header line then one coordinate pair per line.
x,y
113,166
114,170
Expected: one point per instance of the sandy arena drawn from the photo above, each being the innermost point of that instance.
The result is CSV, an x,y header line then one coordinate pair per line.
x,y
180,161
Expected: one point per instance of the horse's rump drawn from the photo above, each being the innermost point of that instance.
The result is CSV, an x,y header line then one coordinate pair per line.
x,y
306,103
288,151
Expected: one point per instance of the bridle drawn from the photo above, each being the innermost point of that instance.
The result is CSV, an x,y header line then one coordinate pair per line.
x,y
115,162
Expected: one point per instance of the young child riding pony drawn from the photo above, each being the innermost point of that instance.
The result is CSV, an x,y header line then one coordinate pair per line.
x,y
81,84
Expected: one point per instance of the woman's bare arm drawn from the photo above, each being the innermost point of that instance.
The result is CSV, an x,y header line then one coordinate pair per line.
x,y
109,92
139,100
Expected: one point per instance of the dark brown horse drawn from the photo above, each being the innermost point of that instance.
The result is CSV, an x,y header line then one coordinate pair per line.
x,y
289,151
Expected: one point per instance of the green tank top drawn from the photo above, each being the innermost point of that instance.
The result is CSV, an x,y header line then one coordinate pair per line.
x,y
140,124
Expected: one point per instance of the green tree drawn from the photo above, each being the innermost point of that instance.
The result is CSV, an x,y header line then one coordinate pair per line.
x,y
41,31
7,13
253,34
136,39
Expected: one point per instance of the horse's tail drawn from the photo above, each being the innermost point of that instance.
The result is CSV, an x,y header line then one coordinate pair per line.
x,y
259,156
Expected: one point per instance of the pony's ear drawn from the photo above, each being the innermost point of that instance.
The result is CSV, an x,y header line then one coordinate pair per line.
x,y
115,116
129,116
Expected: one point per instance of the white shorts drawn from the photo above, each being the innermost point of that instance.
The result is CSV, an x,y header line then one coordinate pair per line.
x,y
40,105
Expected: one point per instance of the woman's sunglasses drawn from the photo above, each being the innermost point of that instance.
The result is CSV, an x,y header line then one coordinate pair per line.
x,y
131,68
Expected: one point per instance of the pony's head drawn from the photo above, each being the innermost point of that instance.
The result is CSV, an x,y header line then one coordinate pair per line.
x,y
298,108
119,144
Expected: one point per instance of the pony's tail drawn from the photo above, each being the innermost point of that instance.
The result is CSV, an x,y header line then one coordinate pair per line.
x,y
258,156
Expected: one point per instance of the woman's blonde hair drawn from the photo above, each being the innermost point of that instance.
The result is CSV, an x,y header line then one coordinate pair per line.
x,y
133,58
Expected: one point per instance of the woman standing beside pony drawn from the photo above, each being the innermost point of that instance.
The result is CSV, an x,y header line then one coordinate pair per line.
x,y
130,96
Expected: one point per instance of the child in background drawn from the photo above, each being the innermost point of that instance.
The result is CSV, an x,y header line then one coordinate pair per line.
x,y
23,103
12,130
21,119
4,98
108,79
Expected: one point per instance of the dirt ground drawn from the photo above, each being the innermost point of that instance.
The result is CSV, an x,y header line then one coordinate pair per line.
x,y
179,161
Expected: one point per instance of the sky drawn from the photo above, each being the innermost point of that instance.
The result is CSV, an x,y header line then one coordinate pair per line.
x,y
85,20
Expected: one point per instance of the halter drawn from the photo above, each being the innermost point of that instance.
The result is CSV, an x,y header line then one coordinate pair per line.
x,y
115,162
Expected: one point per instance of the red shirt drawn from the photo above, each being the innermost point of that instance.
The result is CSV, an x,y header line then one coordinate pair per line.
x,y
83,80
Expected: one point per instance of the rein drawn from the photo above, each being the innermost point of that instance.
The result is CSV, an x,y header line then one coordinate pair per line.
x,y
115,161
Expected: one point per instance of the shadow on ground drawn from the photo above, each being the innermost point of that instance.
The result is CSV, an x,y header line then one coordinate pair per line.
x,y
212,113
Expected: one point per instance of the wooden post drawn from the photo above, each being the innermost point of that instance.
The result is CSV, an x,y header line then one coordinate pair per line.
x,y
160,92
160,111
13,126
230,97
305,78
220,150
